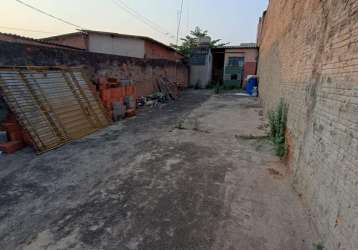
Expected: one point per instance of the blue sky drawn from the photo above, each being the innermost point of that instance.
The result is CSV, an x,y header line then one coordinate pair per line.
x,y
234,21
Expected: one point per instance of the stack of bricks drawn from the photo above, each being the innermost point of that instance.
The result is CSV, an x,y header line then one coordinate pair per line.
x,y
16,137
115,91
110,91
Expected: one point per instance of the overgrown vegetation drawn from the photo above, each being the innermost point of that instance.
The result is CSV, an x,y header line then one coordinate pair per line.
x,y
218,88
180,125
231,87
318,246
212,85
191,41
278,122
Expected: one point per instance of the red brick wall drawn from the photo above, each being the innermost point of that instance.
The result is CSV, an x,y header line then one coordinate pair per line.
x,y
19,39
249,69
75,40
145,76
309,56
144,72
156,51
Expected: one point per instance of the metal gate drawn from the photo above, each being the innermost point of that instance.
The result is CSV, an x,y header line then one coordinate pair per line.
x,y
54,105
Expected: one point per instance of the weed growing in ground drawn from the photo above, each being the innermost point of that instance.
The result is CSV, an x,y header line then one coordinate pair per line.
x,y
215,86
225,88
318,246
217,89
278,122
180,125
212,85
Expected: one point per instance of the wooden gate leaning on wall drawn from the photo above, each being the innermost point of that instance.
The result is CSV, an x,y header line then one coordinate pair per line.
x,y
54,105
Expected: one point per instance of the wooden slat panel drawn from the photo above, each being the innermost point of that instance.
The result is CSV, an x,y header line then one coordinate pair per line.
x,y
55,106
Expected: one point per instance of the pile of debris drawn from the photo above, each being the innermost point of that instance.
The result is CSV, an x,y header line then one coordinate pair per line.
x,y
167,91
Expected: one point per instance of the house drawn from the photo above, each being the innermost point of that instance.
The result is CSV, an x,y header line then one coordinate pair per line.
x,y
13,38
232,64
117,44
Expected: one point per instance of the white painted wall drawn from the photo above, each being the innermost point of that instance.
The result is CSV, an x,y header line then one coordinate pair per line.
x,y
102,43
200,75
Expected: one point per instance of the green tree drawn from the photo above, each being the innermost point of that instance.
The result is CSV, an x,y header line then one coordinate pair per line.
x,y
191,41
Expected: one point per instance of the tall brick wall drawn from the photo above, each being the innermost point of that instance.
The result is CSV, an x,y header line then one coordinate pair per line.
x,y
155,51
144,72
309,56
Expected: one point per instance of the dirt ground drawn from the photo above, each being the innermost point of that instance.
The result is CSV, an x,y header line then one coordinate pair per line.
x,y
194,174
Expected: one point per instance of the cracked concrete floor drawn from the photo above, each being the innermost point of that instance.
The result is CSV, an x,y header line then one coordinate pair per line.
x,y
194,174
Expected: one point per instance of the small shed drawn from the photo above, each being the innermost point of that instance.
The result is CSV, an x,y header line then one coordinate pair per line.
x,y
232,64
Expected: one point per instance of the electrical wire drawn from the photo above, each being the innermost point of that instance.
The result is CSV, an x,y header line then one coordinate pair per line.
x,y
48,14
140,15
119,3
179,22
142,18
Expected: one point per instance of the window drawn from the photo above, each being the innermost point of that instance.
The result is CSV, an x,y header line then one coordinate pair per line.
x,y
236,61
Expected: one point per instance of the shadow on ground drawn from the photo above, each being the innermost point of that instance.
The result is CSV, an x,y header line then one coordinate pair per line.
x,y
194,174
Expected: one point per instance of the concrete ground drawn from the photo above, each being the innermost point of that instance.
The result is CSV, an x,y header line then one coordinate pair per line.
x,y
194,174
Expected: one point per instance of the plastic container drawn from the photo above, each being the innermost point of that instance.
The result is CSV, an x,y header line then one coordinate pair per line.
x,y
251,84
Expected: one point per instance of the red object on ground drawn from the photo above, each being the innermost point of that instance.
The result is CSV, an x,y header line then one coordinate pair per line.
x,y
13,130
130,90
130,113
18,138
11,147
27,138
11,118
180,86
16,135
112,80
117,94
11,126
102,81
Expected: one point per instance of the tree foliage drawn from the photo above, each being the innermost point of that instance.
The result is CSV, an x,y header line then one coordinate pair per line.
x,y
191,41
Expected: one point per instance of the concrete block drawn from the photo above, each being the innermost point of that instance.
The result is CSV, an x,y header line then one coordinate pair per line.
x,y
119,111
130,102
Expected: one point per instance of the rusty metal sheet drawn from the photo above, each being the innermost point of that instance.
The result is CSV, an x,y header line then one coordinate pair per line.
x,y
54,105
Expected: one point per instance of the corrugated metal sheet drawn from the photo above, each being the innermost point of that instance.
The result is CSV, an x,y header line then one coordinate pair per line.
x,y
53,105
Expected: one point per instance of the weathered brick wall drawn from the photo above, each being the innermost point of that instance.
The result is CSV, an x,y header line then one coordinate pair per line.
x,y
309,56
77,40
30,41
249,69
144,72
155,51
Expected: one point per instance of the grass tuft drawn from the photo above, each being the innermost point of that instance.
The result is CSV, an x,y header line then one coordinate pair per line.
x,y
278,123
318,246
